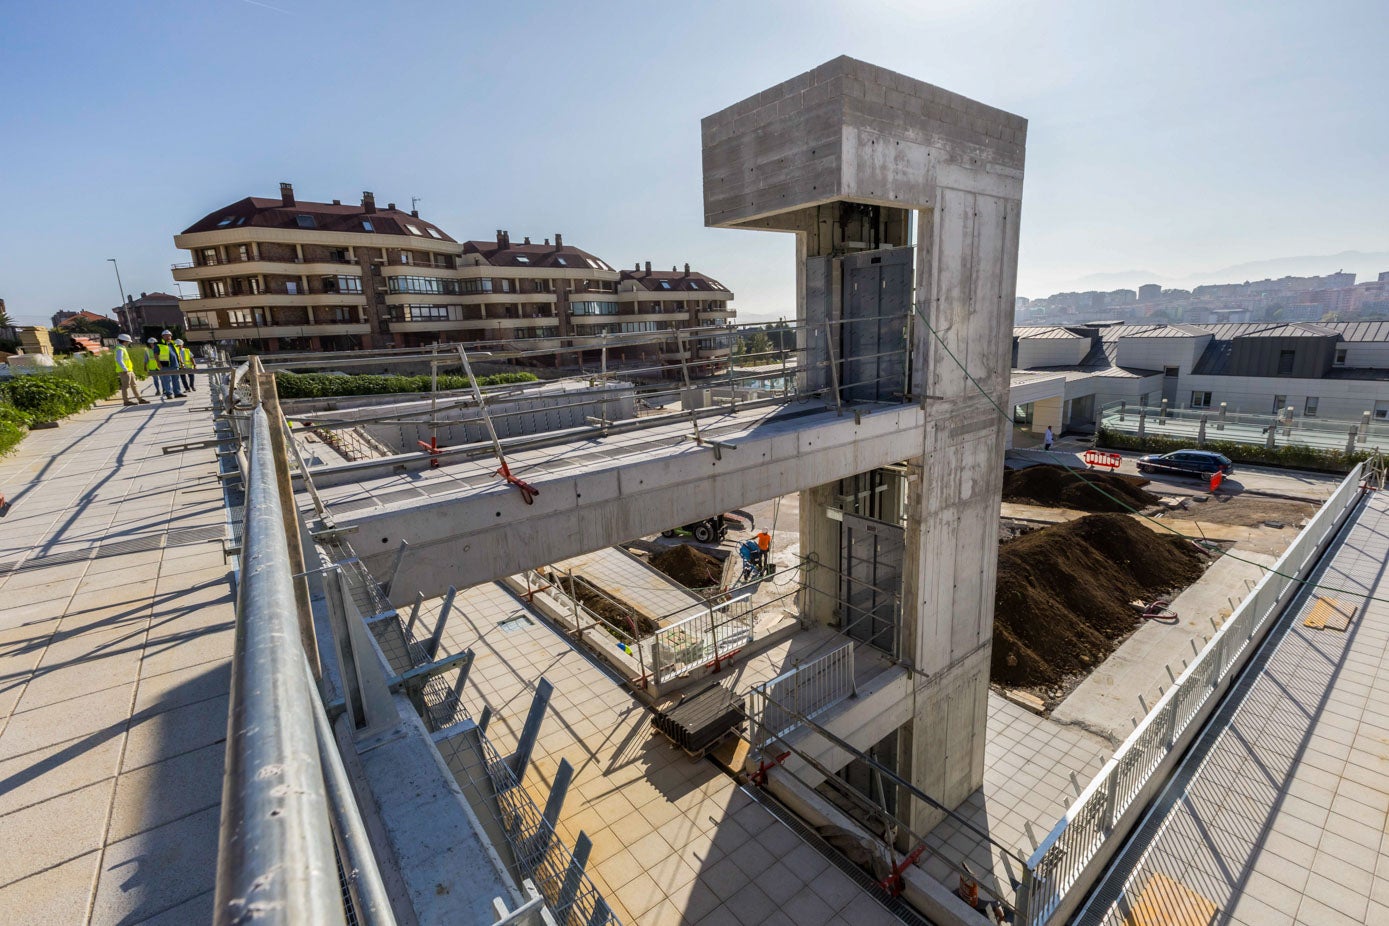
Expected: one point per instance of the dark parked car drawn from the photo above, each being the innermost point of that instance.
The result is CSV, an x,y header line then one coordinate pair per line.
x,y
1199,463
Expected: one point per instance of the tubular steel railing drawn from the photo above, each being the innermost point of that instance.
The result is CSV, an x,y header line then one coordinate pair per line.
x,y
709,636
777,707
1071,858
286,802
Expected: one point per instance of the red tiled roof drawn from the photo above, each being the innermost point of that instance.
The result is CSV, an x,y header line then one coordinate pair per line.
x,y
537,255
273,213
83,314
678,280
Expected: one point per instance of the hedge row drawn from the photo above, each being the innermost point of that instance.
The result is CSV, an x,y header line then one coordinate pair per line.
x,y
1293,456
324,385
70,387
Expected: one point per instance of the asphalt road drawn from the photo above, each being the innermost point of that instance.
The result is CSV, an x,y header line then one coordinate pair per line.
x,y
1299,484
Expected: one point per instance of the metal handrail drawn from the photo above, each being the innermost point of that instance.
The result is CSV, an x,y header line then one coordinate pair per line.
x,y
1063,867
275,853
285,794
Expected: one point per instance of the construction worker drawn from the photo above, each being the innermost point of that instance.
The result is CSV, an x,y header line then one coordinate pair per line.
x,y
152,362
129,386
754,553
185,360
166,352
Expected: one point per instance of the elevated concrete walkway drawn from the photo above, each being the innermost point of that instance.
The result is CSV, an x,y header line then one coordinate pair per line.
x,y
1278,814
116,622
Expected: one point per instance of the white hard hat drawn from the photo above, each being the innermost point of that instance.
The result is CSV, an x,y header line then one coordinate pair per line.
x,y
123,337
164,332
178,341
153,341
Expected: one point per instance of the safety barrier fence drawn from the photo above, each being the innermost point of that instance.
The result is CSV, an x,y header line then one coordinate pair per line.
x,y
1270,430
778,706
1073,855
540,853
709,636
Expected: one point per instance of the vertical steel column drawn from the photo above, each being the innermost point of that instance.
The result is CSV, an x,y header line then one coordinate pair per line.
x,y
438,635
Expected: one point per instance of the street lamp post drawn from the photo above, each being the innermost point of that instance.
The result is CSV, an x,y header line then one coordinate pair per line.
x,y
120,303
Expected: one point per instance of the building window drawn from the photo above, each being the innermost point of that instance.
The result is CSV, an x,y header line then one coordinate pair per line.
x,y
1280,402
1170,371
243,252
1310,408
209,257
522,259
436,234
342,284
305,221
341,313
367,226
593,308
665,284
423,285
1200,400
226,220
291,288
1340,356
475,286
244,318
412,229
1382,411
198,321
561,261
1285,361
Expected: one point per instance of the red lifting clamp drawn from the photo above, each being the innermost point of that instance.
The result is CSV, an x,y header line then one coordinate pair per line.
x,y
759,777
893,882
432,448
528,491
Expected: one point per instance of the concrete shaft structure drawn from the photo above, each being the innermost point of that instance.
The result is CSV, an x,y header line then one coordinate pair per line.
x,y
845,157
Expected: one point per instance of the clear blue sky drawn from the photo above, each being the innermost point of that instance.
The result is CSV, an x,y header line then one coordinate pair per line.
x,y
1171,138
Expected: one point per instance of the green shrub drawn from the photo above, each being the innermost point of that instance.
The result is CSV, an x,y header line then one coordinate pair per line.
x,y
47,396
323,385
13,426
1293,456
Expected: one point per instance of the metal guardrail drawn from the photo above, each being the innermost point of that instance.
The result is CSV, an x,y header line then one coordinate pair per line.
x,y
778,706
1070,858
702,638
1220,424
286,801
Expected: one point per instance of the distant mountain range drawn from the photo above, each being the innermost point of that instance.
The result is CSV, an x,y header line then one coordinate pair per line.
x,y
1366,264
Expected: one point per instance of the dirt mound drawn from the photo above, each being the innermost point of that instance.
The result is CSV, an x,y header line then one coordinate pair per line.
x,y
1064,592
1057,487
690,567
620,619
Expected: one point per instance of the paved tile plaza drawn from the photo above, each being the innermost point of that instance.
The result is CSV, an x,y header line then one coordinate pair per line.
x,y
115,638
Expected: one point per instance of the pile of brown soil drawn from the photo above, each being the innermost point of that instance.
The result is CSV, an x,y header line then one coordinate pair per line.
x,y
690,567
1058,487
1064,592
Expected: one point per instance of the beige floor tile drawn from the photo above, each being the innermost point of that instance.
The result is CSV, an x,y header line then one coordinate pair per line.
x,y
96,717
156,794
54,770
71,825
57,895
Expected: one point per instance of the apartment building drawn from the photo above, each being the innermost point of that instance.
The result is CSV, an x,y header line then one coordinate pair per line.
x,y
282,275
1337,371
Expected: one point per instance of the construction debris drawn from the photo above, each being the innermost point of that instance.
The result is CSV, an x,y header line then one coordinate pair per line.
x,y
1064,592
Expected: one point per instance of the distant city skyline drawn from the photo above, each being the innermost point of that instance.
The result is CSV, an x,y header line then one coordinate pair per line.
x,y
1165,143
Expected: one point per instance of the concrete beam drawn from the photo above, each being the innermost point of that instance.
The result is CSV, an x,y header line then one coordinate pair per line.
x,y
481,531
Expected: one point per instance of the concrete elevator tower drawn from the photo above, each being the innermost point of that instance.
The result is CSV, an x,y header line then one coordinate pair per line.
x,y
905,201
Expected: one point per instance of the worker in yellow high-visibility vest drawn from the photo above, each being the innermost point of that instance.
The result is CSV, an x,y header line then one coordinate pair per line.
x,y
166,352
130,389
185,360
152,363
